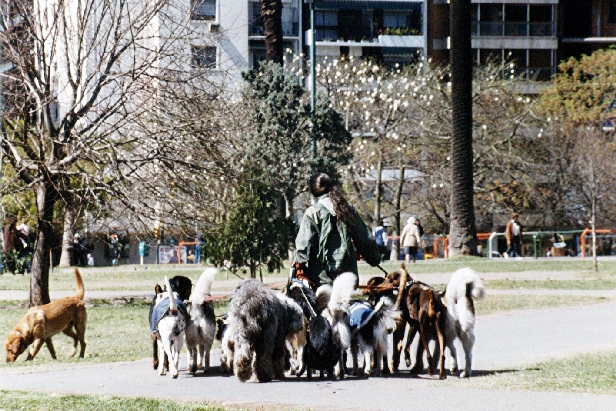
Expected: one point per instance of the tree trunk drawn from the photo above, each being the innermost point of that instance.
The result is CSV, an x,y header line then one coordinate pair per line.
x,y
462,231
271,12
39,283
378,190
67,237
395,245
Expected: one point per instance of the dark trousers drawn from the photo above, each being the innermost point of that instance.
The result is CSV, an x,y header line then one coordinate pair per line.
x,y
515,248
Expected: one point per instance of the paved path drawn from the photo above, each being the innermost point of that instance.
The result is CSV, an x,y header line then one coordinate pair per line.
x,y
504,342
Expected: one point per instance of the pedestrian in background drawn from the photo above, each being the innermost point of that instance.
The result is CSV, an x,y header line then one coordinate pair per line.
x,y
380,236
410,240
513,235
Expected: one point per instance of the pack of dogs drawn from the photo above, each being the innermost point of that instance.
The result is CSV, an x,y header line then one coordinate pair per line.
x,y
300,330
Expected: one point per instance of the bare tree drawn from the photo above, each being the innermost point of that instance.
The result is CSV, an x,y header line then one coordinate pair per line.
x,y
82,107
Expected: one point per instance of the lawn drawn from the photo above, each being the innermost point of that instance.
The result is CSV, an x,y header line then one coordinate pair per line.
x,y
574,273
116,331
584,373
32,401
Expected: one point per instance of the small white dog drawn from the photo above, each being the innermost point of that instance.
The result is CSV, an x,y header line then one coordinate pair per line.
x,y
462,288
170,320
201,326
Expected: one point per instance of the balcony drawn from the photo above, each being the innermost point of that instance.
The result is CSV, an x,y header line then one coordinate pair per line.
x,y
512,29
289,29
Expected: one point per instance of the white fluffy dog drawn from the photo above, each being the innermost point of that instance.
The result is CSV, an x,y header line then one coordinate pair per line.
x,y
201,327
337,313
462,288
170,327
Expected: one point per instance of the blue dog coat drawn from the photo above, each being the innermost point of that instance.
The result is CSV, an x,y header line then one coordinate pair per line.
x,y
359,315
161,309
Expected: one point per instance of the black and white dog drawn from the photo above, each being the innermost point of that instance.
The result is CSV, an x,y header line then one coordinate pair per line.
x,y
168,321
260,322
182,287
201,327
369,330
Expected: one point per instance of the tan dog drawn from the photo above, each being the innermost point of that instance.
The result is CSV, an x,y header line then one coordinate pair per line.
x,y
43,322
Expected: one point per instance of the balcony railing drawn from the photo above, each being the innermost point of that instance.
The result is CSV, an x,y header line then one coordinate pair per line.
x,y
289,29
522,29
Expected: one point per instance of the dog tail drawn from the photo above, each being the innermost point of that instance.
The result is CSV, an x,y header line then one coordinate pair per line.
x,y
464,283
404,275
203,289
342,288
80,290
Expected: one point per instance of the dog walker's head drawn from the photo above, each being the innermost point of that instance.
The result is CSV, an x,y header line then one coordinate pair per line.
x,y
15,346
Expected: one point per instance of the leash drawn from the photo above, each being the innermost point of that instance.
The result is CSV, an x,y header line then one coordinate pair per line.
x,y
312,311
382,269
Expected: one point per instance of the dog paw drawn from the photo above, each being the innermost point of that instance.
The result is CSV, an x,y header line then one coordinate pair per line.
x,y
442,377
465,374
454,370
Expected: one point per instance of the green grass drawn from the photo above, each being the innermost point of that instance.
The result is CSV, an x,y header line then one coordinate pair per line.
x,y
486,265
578,272
116,331
602,283
125,278
499,303
583,373
32,401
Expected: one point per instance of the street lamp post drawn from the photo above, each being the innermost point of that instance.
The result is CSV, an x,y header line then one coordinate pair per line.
x,y
313,80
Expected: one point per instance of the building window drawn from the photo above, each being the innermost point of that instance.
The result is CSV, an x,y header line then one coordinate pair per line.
x,y
203,57
326,25
203,9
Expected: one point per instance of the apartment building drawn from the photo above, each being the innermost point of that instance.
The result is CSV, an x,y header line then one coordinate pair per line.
x,y
233,38
533,34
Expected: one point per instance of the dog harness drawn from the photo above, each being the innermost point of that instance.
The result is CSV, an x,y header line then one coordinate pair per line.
x,y
359,315
161,310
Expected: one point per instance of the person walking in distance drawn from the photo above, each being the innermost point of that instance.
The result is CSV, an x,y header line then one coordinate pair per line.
x,y
513,235
380,236
410,240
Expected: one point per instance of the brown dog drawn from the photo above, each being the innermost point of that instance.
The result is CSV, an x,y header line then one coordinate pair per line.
x,y
43,322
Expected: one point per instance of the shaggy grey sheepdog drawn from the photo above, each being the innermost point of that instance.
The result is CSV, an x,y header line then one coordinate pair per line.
x,y
261,322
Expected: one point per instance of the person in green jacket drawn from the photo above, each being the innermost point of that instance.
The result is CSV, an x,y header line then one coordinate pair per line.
x,y
330,236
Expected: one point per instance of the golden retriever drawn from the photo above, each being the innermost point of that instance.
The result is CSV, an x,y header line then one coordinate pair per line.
x,y
42,322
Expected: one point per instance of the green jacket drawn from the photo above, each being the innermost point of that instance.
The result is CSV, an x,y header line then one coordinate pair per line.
x,y
324,247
